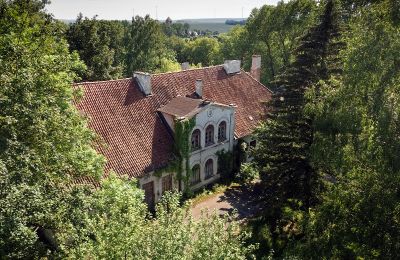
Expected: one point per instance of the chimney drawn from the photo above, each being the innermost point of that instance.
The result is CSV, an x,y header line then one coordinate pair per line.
x,y
256,67
185,66
144,81
199,87
232,66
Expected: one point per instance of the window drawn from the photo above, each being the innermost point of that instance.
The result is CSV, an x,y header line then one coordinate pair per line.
x,y
166,183
196,140
209,168
195,177
222,131
209,135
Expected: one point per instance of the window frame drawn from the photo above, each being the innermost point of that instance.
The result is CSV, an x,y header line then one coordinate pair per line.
x,y
209,134
196,132
209,166
198,178
223,137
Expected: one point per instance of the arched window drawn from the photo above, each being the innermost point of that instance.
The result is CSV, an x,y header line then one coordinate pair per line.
x,y
209,135
195,177
222,131
196,139
209,169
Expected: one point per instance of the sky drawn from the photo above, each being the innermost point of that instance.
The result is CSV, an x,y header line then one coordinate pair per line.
x,y
161,9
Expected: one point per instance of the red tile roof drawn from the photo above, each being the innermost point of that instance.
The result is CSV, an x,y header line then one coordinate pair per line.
x,y
137,140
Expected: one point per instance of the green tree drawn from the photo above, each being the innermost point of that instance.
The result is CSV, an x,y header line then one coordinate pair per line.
x,y
145,45
282,155
235,43
204,50
44,142
117,225
287,134
357,142
274,31
100,45
178,46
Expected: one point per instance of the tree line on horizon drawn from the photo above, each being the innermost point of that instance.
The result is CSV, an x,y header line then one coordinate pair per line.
x,y
108,47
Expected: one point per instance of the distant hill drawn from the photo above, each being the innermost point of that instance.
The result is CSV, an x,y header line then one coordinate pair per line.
x,y
207,20
212,24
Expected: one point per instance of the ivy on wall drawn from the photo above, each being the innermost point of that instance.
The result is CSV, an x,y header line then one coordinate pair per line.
x,y
180,164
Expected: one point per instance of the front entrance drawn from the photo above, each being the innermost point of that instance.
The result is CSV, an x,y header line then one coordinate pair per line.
x,y
166,183
149,193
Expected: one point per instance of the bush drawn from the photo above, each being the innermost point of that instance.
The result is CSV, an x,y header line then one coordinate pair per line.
x,y
248,173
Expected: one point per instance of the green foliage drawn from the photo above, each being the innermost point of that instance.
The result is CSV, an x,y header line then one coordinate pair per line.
x,y
359,218
291,184
182,148
357,144
239,154
44,142
282,154
225,164
145,45
116,226
274,31
248,173
176,29
235,43
204,50
167,65
100,45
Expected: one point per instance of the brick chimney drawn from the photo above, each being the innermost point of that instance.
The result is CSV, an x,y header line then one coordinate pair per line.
x,y
144,81
256,67
199,87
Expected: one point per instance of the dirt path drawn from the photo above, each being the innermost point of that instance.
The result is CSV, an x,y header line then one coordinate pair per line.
x,y
239,198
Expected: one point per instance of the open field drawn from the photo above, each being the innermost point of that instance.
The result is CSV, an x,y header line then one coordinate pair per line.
x,y
212,24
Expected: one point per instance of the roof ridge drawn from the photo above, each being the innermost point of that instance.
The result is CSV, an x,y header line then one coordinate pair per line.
x,y
100,81
251,76
152,74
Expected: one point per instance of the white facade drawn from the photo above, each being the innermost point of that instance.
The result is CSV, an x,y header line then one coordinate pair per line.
x,y
211,115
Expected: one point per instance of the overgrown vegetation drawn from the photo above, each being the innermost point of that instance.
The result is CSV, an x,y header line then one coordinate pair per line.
x,y
45,147
327,154
114,49
126,230
182,149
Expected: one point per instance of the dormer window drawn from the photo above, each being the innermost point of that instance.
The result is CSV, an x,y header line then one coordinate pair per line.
x,y
209,135
222,131
196,140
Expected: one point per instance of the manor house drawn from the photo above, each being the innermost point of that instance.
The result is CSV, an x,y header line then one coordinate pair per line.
x,y
137,119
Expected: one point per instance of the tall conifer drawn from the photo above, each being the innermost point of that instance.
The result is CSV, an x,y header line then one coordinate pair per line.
x,y
286,136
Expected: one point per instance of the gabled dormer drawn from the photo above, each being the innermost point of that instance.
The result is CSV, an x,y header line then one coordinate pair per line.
x,y
214,122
